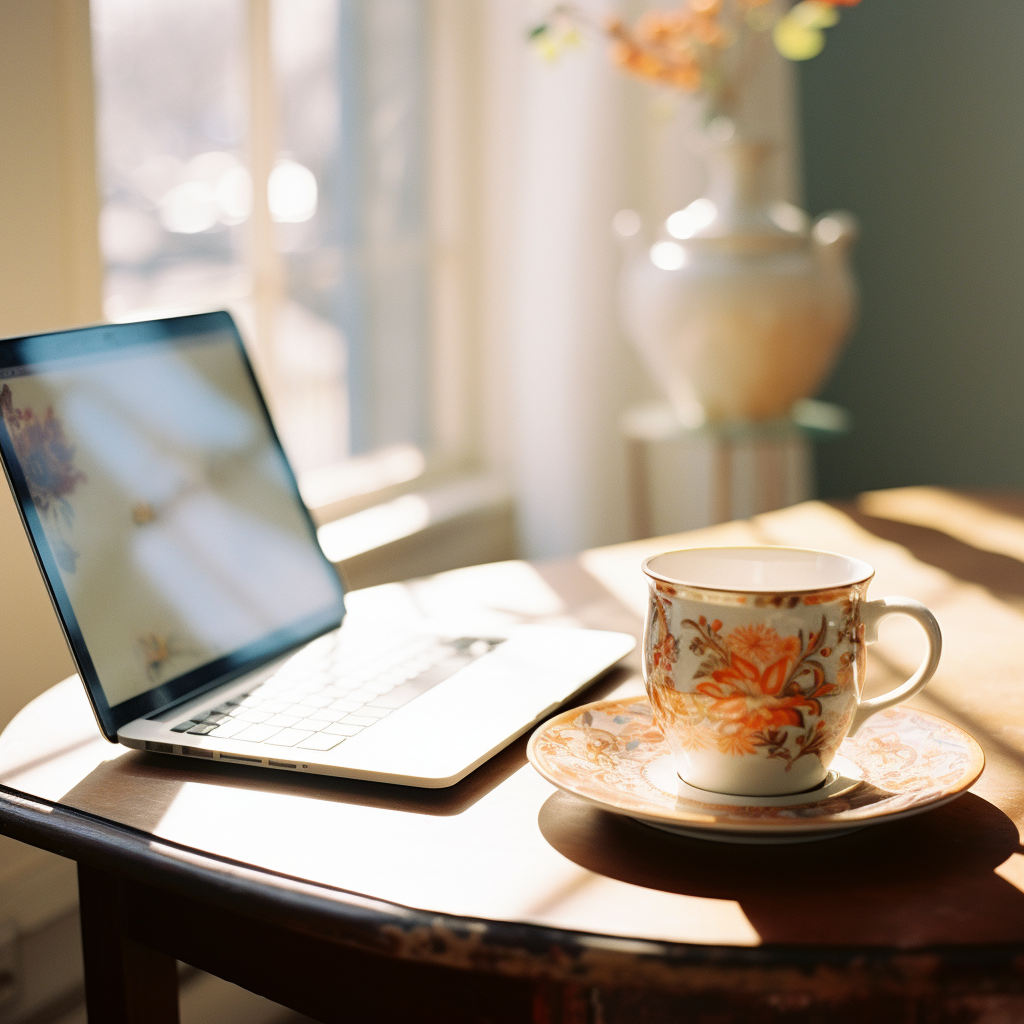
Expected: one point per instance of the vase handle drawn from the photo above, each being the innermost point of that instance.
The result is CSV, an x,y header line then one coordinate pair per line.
x,y
835,231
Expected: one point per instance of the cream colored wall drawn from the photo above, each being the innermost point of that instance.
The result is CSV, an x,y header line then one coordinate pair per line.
x,y
50,271
50,277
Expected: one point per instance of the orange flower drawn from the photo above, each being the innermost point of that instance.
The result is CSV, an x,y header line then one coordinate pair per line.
x,y
665,46
709,32
743,694
744,677
736,738
775,714
762,644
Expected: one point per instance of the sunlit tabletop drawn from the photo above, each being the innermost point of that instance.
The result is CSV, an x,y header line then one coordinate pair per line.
x,y
505,847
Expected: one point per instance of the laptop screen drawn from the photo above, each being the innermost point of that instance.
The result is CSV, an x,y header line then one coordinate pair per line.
x,y
162,509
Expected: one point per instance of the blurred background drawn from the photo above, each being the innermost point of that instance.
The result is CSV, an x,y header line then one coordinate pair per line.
x,y
910,119
409,212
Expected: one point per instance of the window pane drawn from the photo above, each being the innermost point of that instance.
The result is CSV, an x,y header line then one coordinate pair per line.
x,y
310,342
352,109
171,119
344,348
383,49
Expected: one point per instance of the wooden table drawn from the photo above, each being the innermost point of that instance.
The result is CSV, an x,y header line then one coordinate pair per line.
x,y
503,900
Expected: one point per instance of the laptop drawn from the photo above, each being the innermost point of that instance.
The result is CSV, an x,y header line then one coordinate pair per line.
x,y
202,615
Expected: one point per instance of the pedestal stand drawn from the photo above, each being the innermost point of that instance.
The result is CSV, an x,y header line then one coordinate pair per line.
x,y
683,478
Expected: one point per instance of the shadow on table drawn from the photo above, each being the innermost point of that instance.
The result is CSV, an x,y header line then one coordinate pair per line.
x,y
1002,574
137,788
925,880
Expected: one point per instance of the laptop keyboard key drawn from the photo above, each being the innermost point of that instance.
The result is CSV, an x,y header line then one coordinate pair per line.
x,y
357,720
366,711
320,742
345,705
401,695
289,737
313,724
257,733
229,728
315,706
329,715
364,695
341,729
285,721
274,706
256,717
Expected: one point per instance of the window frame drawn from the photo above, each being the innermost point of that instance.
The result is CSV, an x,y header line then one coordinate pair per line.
x,y
452,359
455,447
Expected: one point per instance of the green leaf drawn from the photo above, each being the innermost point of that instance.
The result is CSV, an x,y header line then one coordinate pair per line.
x,y
795,41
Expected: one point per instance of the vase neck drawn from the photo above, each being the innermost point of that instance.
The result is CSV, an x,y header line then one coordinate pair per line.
x,y
739,200
736,172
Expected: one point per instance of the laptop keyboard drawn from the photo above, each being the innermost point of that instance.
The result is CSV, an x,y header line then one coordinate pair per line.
x,y
333,691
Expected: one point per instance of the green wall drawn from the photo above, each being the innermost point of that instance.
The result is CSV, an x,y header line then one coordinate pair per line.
x,y
913,119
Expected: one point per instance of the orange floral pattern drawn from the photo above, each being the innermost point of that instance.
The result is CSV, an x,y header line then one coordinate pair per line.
x,y
754,691
906,761
707,46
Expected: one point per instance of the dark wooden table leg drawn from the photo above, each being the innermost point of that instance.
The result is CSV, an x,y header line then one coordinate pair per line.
x,y
125,982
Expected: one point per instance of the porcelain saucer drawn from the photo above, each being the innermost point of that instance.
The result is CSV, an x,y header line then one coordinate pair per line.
x,y
902,761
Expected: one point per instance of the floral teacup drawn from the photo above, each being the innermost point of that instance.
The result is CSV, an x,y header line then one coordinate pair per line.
x,y
754,662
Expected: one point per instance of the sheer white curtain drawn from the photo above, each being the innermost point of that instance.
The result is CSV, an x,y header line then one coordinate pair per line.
x,y
559,168
567,145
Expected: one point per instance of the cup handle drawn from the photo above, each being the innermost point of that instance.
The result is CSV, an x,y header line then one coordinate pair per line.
x,y
872,612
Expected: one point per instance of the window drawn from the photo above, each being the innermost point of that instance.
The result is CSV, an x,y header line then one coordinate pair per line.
x,y
270,156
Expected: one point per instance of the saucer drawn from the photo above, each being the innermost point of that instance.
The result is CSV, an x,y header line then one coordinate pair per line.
x,y
901,762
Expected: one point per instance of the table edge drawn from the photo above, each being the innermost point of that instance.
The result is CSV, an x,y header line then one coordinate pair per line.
x,y
514,949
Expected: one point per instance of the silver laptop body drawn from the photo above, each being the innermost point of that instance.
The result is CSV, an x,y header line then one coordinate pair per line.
x,y
203,617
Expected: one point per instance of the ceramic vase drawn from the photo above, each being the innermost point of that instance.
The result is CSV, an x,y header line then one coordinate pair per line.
x,y
742,305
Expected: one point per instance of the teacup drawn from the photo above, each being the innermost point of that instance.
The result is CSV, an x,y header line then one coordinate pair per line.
x,y
754,662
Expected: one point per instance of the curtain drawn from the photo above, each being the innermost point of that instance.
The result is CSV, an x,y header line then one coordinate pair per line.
x,y
565,146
